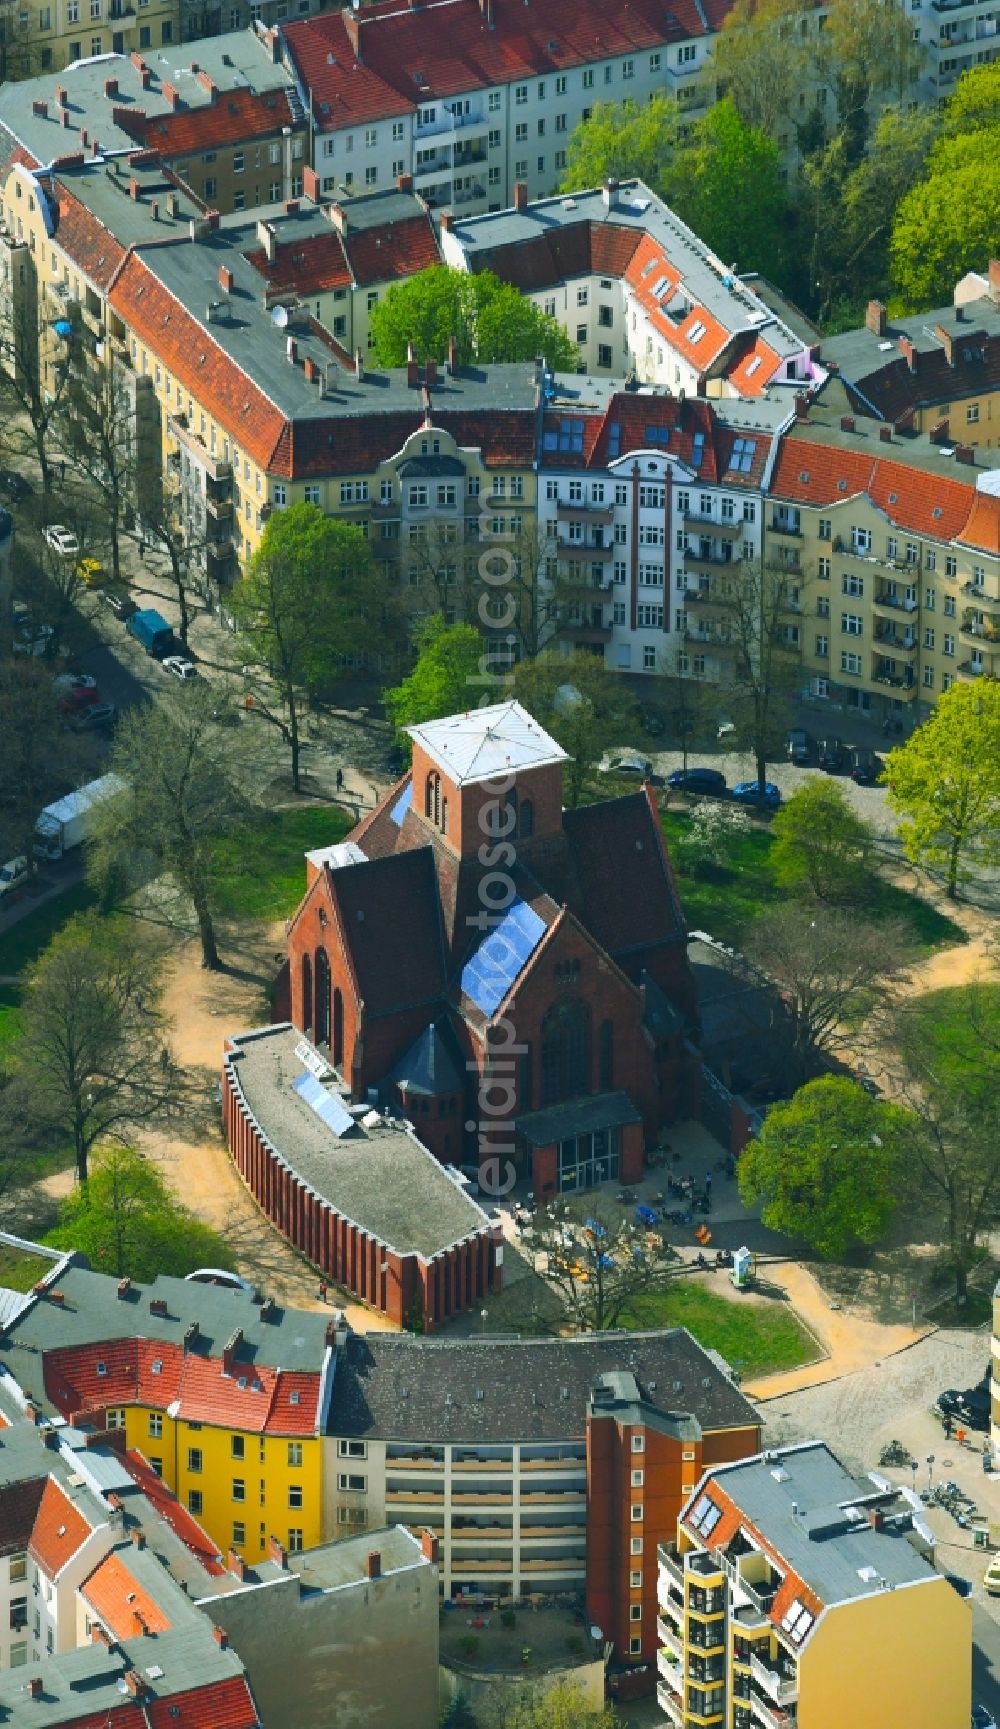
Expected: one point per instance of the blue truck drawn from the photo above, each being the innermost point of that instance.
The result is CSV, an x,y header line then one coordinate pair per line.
x,y
151,629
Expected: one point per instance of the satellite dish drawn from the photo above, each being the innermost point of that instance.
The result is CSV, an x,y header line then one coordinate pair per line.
x,y
595,1633
279,316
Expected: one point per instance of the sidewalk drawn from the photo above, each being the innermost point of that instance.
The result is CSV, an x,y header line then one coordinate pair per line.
x,y
851,1342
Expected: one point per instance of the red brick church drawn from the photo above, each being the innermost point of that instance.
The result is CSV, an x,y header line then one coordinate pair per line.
x,y
509,974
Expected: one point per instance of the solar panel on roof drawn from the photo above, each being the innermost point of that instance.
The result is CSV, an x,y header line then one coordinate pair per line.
x,y
329,1107
501,956
402,805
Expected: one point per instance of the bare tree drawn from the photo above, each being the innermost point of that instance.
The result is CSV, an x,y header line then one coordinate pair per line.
x,y
598,1262
29,727
35,370
826,964
108,416
761,623
685,702
89,1067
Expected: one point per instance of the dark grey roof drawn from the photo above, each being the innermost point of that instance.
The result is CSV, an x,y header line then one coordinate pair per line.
x,y
393,1387
382,1178
87,1683
659,1016
429,1066
797,1498
577,1117
334,1565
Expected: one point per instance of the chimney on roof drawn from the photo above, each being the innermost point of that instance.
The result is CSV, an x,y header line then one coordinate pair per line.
x,y
374,1563
359,364
139,1627
206,83
35,1687
100,1636
213,219
95,148
155,208
431,374
110,87
138,1538
135,1683
352,25
133,188
57,1297
964,453
847,423
62,95
64,116
885,434
84,138
277,1553
452,355
404,182
876,318
124,1287
876,1518
801,405
993,280
221,1638
310,184
430,1548
425,398
520,195
191,1335
40,110
230,1350
447,221
412,368
267,1309
291,350
291,206
236,1565
225,279
145,78
268,240
338,216
171,96
909,352
49,1436
31,1411
312,371
137,61
195,67
609,193
157,1305
947,342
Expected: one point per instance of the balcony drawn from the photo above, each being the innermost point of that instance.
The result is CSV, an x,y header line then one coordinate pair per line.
x,y
574,510
586,632
568,1497
476,1564
669,1637
671,1565
483,1534
673,1673
780,1687
446,124
484,1498
977,627
712,524
216,468
419,1497
786,525
974,669
708,557
893,601
413,1462
476,1464
562,1564
670,1704
889,639
770,1715
582,549
571,1462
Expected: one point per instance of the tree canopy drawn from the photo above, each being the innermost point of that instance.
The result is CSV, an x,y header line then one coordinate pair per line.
x,y
945,783
490,320
310,595
827,1166
821,843
581,702
127,1222
446,678
946,223
622,141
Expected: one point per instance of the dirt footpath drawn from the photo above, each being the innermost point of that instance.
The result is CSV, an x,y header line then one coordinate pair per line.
x,y
203,1008
851,1342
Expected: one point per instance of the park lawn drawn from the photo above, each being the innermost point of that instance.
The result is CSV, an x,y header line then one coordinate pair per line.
x,y
24,942
262,871
755,1338
20,1270
724,901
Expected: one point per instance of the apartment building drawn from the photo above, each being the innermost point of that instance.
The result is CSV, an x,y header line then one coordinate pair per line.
x,y
955,35
52,37
541,1465
638,292
225,1397
895,543
798,1594
224,119
472,96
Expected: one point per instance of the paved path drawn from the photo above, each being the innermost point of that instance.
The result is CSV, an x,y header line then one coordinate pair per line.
x,y
851,1342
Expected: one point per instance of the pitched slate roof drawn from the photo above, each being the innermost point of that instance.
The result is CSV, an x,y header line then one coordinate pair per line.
x,y
19,1505
620,884
430,1067
556,255
391,925
394,1387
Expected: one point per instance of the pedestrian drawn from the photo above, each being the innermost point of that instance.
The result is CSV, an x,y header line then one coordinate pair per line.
x,y
62,469
947,1427
340,779
708,1183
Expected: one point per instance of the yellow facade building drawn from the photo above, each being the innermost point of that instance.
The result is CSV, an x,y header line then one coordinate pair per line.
x,y
797,1597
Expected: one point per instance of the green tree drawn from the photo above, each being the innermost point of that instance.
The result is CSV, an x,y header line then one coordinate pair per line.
x,y
92,1064
490,321
759,61
945,784
820,842
869,53
187,787
623,141
445,679
826,964
974,104
731,192
947,224
581,703
759,610
561,1706
128,1223
310,595
827,1166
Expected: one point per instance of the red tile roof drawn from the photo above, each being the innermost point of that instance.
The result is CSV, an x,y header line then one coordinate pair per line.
x,y
755,368
219,1705
310,265
86,240
982,530
197,1384
59,1530
166,1504
808,472
383,254
186,346
116,1597
233,116
455,51
556,255
648,266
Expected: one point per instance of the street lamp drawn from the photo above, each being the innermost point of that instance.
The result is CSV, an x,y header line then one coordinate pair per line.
x,y
930,1471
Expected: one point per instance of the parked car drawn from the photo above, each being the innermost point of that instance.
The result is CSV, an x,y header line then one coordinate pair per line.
x,y
61,540
831,754
865,767
91,572
748,792
96,717
12,873
71,681
957,1583
179,666
969,1409
981,1717
652,722
629,762
32,638
120,604
14,486
726,729
799,746
703,780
